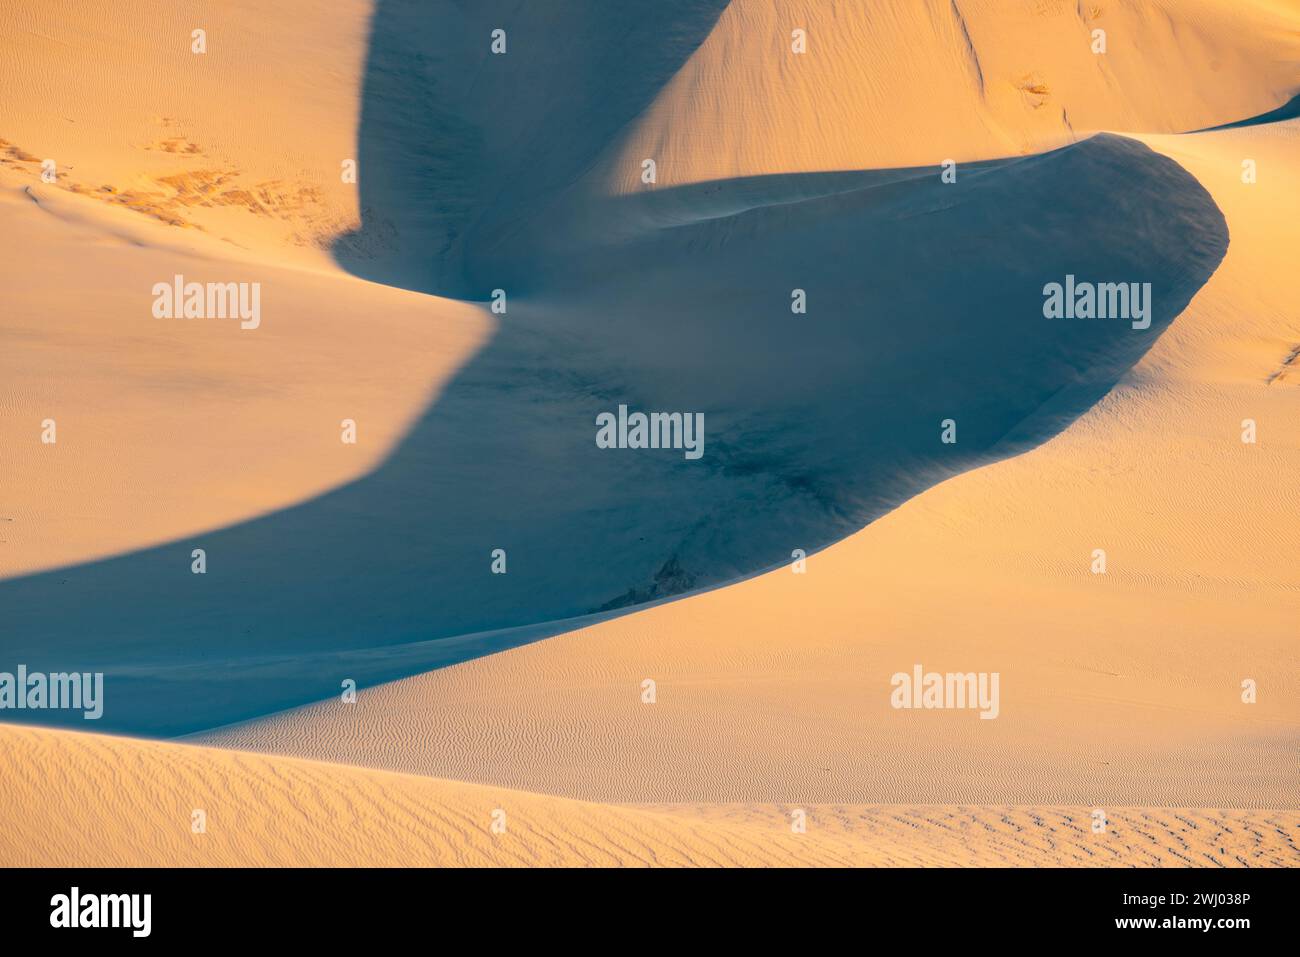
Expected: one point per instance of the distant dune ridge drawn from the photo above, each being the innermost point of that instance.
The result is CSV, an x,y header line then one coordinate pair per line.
x,y
774,170
917,82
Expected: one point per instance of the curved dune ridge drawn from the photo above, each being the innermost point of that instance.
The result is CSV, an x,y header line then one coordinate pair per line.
x,y
1127,686
263,811
776,170
814,426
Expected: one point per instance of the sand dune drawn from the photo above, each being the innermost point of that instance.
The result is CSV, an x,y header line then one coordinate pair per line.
x,y
816,425
167,428
1119,690
267,811
1122,688
244,142
973,78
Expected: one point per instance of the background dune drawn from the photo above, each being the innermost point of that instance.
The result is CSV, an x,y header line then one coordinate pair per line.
x,y
244,142
919,82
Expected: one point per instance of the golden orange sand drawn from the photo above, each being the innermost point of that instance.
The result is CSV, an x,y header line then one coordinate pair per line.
x,y
1123,688
244,142
168,427
90,800
1120,691
915,82
222,166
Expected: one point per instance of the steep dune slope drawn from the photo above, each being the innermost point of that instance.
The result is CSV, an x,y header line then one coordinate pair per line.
x,y
915,82
1121,688
476,113
815,424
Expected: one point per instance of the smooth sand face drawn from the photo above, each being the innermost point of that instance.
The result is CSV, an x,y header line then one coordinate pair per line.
x,y
1121,691
223,166
169,427
921,81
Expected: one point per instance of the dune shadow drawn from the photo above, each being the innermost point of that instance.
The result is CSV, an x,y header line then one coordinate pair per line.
x,y
456,140
1287,111
924,303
